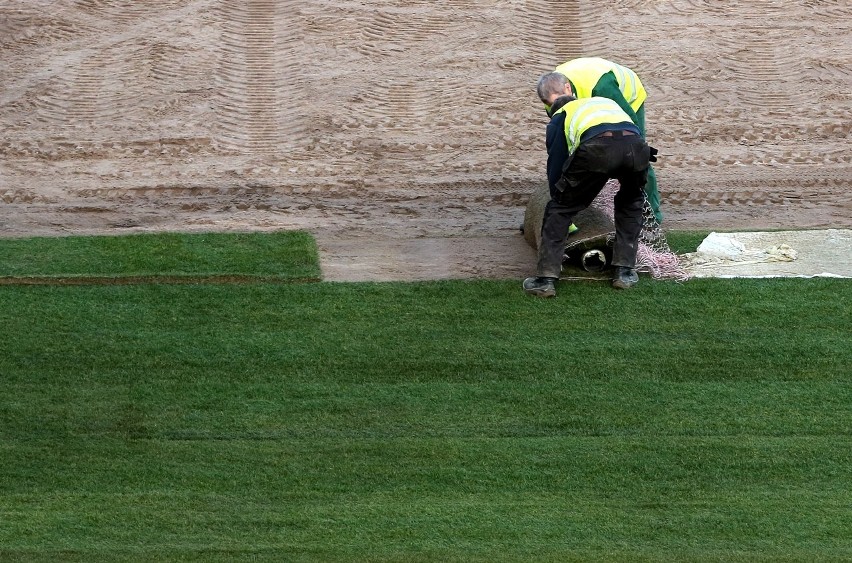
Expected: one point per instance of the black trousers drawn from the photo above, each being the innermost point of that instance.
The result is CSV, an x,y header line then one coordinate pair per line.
x,y
595,161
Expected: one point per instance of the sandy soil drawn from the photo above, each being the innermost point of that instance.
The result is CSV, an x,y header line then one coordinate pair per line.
x,y
405,134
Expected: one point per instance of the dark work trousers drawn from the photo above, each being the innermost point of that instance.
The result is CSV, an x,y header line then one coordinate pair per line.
x,y
595,161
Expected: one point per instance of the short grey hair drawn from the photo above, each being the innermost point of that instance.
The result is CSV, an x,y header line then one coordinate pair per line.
x,y
550,83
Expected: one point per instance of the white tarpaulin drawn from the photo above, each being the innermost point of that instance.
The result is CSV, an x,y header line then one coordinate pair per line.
x,y
772,254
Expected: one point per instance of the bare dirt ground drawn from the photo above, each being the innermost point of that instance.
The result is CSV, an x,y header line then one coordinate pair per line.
x,y
405,134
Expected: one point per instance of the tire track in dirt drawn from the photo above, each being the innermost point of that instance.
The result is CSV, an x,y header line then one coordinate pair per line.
x,y
98,95
750,54
162,59
106,89
35,25
454,114
127,13
408,94
725,125
98,86
552,32
749,198
388,30
826,9
259,82
793,157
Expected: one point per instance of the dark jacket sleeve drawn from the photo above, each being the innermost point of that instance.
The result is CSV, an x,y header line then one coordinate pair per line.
x,y
557,148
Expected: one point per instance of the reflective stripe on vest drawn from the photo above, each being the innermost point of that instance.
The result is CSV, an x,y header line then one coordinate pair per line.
x,y
585,72
581,115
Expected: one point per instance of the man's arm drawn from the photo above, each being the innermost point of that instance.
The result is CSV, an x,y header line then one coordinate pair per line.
x,y
557,148
607,87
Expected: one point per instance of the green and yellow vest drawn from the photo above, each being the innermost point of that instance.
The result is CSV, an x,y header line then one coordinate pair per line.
x,y
583,114
585,72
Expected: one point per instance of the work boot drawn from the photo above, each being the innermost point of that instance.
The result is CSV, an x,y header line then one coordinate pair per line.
x,y
625,278
540,286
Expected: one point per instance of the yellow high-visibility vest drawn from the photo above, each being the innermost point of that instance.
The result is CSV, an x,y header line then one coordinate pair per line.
x,y
583,114
585,72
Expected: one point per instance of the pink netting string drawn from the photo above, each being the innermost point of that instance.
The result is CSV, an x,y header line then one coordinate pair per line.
x,y
654,255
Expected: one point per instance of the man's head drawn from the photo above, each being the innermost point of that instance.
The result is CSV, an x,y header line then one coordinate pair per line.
x,y
551,86
558,103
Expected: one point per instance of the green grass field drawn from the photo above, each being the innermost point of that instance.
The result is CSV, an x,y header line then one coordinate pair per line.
x,y
278,256
441,421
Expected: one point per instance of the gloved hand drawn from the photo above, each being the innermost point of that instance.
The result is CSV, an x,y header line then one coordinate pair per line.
x,y
654,152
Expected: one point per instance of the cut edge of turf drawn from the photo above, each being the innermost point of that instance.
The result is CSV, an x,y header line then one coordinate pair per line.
x,y
153,279
167,257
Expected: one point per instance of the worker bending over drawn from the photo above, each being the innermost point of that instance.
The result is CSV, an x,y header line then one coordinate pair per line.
x,y
589,141
592,76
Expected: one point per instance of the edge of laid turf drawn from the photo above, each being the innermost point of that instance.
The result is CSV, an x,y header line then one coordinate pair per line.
x,y
137,280
283,256
182,258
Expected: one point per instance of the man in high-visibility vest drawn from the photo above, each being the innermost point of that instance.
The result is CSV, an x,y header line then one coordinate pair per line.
x,y
589,141
593,76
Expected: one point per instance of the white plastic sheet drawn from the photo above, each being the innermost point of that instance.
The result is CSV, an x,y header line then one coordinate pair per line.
x,y
773,254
